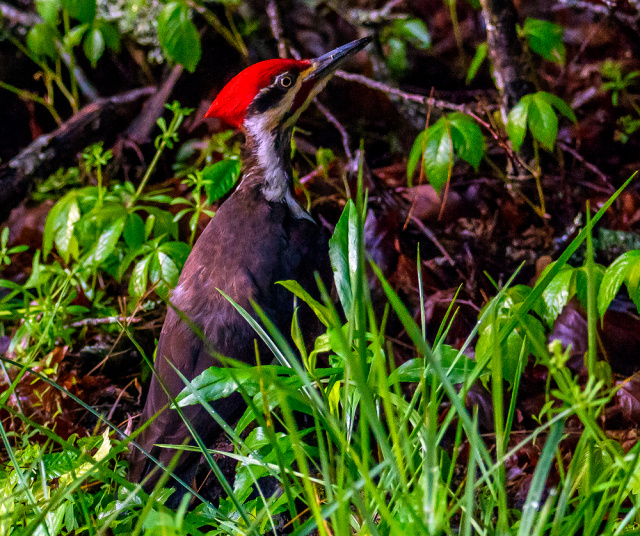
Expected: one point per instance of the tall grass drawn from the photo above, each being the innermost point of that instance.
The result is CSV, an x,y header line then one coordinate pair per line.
x,y
382,450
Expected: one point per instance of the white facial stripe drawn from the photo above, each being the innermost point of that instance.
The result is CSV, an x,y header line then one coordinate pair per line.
x,y
263,129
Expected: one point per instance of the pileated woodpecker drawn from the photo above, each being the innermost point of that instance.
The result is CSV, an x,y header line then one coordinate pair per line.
x,y
258,236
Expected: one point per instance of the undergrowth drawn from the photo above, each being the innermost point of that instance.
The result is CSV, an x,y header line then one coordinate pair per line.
x,y
384,449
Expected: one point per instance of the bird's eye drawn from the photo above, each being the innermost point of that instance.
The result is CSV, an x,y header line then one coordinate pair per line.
x,y
285,81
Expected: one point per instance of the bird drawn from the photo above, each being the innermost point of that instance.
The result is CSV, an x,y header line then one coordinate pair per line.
x,y
258,236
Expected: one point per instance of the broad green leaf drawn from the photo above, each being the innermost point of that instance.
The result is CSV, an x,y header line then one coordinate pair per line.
x,y
169,271
321,311
106,243
59,227
633,284
457,366
216,382
476,62
41,40
48,10
220,178
93,45
468,141
543,122
343,252
613,278
82,10
517,122
438,154
178,35
545,38
134,231
138,281
415,156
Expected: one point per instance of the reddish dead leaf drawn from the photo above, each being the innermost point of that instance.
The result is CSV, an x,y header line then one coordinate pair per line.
x,y
628,398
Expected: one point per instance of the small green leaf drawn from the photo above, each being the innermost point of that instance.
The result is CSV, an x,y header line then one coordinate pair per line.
x,y
110,35
613,278
468,141
414,31
517,122
321,311
633,284
41,40
543,122
178,35
93,45
476,62
438,155
82,10
48,10
396,56
220,178
545,38
343,252
161,222
178,251
415,156
74,36
559,105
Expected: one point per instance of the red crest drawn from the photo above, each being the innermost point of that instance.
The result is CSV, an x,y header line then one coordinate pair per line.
x,y
232,102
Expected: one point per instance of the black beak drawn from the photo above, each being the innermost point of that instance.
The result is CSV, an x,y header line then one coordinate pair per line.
x,y
329,62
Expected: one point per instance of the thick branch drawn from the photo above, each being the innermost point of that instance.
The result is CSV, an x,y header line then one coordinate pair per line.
x,y
509,67
100,120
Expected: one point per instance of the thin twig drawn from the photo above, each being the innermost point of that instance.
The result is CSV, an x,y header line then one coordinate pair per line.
x,y
411,97
115,404
600,9
15,15
343,133
276,28
106,320
431,236
591,167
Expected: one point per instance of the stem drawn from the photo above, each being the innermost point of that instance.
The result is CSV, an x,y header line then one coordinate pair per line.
x,y
591,301
214,21
100,189
536,176
147,174
28,95
456,28
72,64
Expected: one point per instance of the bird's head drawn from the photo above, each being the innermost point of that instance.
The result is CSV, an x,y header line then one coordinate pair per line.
x,y
273,93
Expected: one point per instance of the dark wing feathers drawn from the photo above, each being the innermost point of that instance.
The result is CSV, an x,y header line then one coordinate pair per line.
x,y
243,257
